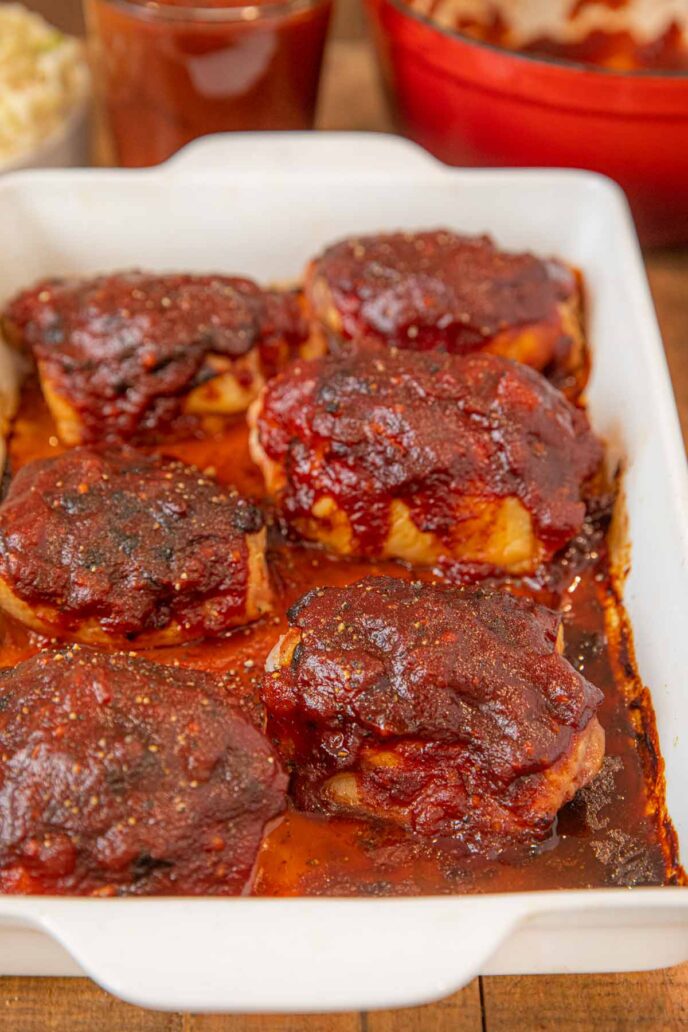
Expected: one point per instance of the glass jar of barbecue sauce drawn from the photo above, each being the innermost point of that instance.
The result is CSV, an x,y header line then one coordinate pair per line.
x,y
173,70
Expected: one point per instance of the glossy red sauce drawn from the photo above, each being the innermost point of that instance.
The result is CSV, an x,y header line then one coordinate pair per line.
x,y
149,543
369,426
439,290
132,345
616,832
168,81
168,787
447,708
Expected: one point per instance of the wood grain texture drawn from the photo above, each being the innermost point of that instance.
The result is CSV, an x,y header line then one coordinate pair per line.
x,y
73,1005
655,1001
461,1012
648,1002
77,1005
272,1023
350,72
668,274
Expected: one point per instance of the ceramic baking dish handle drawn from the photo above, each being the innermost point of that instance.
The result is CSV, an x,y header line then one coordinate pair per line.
x,y
259,955
267,955
367,153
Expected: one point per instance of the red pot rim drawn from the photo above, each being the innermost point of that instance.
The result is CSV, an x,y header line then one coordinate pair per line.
x,y
545,81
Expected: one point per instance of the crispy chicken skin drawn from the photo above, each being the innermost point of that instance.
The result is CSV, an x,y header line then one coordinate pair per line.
x,y
450,711
442,291
123,356
124,777
119,547
387,453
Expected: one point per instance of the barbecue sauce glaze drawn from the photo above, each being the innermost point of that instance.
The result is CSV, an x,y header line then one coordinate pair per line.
x,y
616,832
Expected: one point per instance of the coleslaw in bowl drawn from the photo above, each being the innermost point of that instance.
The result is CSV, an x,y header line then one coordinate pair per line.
x,y
44,85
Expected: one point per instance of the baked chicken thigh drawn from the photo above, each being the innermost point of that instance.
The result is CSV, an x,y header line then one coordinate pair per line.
x,y
450,711
116,546
124,777
121,357
445,291
385,453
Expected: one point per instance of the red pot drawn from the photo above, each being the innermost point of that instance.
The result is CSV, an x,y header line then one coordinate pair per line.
x,y
471,103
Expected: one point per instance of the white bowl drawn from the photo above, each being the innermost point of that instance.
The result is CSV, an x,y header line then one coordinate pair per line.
x,y
67,146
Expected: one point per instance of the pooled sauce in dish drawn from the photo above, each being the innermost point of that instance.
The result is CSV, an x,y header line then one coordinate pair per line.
x,y
615,832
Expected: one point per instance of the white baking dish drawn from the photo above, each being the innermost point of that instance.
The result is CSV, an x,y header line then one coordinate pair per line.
x,y
261,205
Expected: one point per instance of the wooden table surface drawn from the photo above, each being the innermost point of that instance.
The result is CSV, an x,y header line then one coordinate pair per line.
x,y
647,1002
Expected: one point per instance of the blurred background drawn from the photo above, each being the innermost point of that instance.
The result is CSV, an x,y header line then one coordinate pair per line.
x,y
68,15
595,84
65,14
